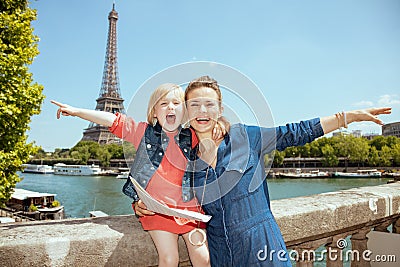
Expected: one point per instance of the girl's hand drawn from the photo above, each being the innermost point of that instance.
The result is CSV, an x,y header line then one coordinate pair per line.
x,y
65,109
220,128
140,209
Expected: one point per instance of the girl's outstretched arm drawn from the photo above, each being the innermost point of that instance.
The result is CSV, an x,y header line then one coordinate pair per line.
x,y
99,117
342,119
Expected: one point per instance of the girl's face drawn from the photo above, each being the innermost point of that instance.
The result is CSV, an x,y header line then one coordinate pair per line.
x,y
203,108
169,111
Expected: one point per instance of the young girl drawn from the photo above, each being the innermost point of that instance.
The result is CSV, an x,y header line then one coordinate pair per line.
x,y
163,148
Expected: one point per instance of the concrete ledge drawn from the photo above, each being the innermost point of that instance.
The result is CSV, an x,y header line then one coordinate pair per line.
x,y
329,213
120,240
103,241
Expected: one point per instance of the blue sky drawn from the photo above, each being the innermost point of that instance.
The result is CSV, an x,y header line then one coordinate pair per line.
x,y
309,58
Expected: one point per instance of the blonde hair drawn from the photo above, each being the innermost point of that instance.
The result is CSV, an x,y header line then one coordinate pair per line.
x,y
160,92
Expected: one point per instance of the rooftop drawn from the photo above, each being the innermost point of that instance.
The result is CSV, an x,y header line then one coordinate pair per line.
x,y
22,194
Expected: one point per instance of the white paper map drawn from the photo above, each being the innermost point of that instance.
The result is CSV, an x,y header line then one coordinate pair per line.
x,y
158,207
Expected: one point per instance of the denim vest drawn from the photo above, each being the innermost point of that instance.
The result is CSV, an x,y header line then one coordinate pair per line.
x,y
148,158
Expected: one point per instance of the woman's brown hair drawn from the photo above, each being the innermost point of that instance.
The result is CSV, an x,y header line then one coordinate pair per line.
x,y
204,81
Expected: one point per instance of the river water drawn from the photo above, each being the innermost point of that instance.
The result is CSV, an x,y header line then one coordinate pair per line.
x,y
81,194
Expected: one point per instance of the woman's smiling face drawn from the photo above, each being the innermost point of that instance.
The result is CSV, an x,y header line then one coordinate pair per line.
x,y
203,109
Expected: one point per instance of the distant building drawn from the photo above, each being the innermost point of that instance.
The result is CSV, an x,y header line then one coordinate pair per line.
x,y
391,129
355,133
341,132
370,136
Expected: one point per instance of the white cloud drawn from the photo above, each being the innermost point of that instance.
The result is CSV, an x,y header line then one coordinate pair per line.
x,y
364,103
388,100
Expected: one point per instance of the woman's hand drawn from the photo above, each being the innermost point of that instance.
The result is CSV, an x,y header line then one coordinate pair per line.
x,y
370,114
342,119
140,209
64,109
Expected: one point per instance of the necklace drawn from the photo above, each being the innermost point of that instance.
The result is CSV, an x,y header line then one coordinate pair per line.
x,y
198,230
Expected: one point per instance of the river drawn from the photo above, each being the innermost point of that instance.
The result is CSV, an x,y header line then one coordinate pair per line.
x,y
81,194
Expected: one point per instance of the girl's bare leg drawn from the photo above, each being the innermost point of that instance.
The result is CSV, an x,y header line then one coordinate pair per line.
x,y
167,248
199,255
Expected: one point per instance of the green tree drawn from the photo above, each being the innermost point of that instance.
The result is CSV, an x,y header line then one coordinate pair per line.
x,y
396,154
104,156
315,150
20,97
385,156
329,157
358,148
116,151
85,150
129,150
373,157
278,157
378,142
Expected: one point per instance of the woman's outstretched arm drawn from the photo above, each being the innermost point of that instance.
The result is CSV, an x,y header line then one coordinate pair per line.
x,y
342,119
96,116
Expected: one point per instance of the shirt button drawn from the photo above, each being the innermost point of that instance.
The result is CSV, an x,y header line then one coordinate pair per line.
x,y
165,140
185,149
152,168
148,146
241,170
185,197
143,182
160,154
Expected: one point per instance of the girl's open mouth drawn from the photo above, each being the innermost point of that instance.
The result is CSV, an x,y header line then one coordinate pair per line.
x,y
171,118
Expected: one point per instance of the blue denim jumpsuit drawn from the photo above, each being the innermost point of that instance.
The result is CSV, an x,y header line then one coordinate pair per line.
x,y
243,231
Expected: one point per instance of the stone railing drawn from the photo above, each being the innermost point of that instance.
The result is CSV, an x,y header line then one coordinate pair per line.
x,y
306,223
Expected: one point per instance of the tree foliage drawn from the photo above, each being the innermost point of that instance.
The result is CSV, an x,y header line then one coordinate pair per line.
x,y
85,151
20,96
380,151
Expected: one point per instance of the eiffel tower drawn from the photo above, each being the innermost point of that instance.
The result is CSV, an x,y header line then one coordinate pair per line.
x,y
110,99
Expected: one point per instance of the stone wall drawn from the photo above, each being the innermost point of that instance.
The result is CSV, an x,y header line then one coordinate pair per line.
x,y
120,240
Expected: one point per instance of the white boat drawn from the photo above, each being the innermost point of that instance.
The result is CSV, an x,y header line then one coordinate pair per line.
x,y
78,170
97,213
123,175
299,174
359,174
34,168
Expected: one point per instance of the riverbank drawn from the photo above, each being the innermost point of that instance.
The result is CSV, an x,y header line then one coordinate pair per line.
x,y
386,171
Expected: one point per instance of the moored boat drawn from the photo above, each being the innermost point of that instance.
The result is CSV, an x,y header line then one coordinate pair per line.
x,y
299,174
35,205
34,168
123,175
359,174
78,170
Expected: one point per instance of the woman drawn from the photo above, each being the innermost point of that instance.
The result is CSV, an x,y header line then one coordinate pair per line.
x,y
228,174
